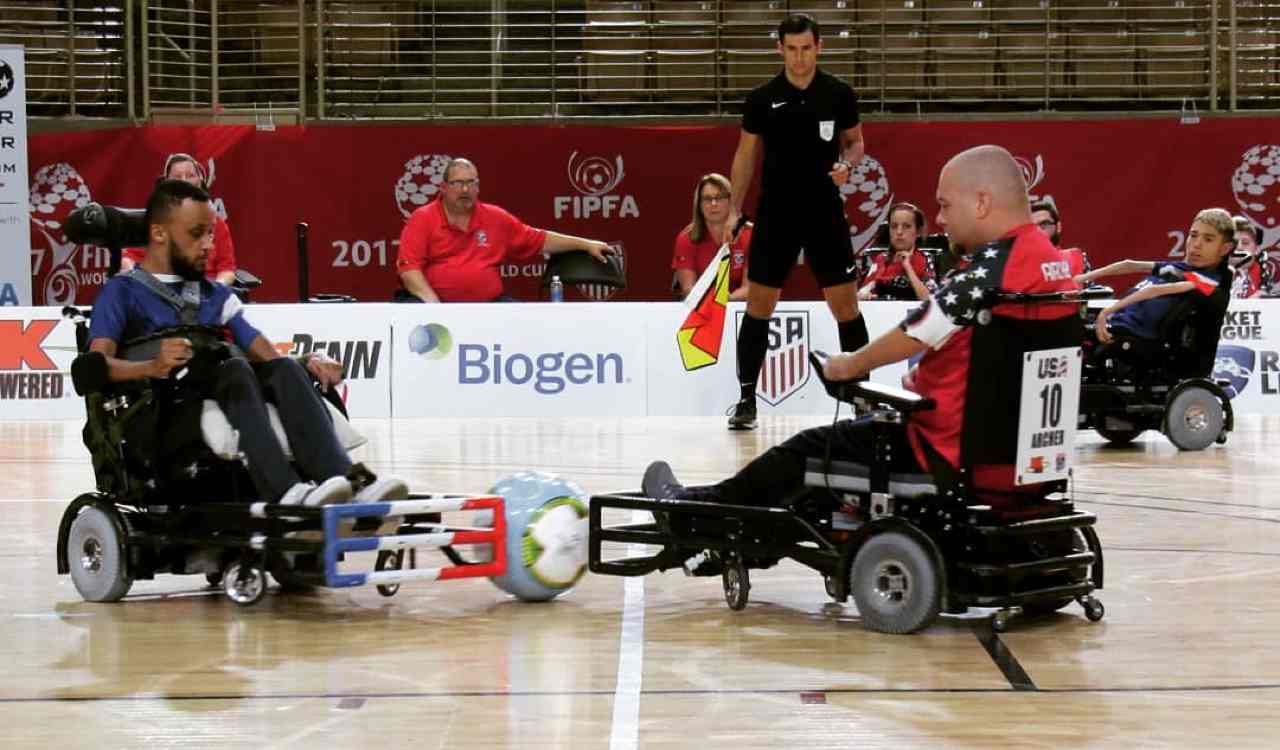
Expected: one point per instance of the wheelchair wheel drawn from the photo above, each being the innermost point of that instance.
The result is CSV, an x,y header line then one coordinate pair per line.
x,y
1194,419
389,559
96,556
894,582
244,582
1120,436
737,584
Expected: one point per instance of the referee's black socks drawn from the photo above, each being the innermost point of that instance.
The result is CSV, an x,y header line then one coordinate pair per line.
x,y
853,335
753,339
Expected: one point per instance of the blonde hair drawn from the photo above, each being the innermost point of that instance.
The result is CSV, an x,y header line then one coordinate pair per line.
x,y
1221,220
698,227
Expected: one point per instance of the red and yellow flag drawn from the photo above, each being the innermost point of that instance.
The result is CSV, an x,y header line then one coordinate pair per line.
x,y
700,335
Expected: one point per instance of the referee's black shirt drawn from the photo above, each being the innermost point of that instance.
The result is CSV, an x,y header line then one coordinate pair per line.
x,y
801,131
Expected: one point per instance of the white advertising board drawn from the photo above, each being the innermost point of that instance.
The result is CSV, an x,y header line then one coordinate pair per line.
x,y
15,212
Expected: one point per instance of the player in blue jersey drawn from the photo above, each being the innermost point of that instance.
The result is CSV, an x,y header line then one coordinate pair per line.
x,y
168,288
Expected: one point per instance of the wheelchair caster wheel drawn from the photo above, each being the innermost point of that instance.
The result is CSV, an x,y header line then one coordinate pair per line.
x,y
1000,620
389,560
833,589
737,584
244,583
1093,608
214,579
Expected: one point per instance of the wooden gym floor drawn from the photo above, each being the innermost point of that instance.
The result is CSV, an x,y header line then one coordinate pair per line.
x,y
1186,656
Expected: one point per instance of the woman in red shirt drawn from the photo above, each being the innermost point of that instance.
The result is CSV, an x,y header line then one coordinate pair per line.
x,y
220,265
901,272
698,242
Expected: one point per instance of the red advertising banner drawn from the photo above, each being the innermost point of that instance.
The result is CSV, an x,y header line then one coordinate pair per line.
x,y
1125,187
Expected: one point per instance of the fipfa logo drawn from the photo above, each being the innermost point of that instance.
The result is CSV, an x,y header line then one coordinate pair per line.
x,y
867,200
595,178
1256,187
786,363
422,181
1033,173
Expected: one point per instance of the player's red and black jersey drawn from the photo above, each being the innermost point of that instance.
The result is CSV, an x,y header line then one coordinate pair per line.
x,y
973,372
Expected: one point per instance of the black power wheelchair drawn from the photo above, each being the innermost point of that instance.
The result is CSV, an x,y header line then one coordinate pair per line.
x,y
1131,385
905,546
179,499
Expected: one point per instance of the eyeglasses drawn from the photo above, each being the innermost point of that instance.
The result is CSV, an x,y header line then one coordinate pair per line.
x,y
714,198
463,184
1047,224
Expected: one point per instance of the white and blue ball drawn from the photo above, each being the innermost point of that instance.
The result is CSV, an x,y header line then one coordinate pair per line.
x,y
546,535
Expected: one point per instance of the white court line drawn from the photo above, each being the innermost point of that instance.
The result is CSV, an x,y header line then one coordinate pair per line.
x,y
625,732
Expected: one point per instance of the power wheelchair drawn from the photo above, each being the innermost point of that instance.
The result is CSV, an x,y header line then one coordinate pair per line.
x,y
906,547
180,500
1131,385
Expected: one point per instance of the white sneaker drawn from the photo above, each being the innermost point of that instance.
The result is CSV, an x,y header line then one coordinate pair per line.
x,y
332,491
383,490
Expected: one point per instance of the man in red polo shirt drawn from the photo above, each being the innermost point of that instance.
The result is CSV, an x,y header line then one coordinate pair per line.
x,y
451,248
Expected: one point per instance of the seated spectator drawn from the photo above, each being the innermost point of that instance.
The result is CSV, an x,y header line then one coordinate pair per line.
x,y
698,243
451,248
903,272
1203,278
1045,216
1252,275
221,265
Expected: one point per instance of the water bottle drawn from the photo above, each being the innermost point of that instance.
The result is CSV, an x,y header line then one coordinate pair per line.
x,y
557,289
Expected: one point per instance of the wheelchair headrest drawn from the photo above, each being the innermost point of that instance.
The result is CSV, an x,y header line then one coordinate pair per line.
x,y
107,226
578,267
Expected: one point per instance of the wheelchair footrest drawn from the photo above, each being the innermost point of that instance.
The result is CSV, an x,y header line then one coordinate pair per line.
x,y
1073,520
1048,593
751,532
1021,569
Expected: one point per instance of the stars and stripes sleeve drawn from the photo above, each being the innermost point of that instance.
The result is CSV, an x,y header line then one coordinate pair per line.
x,y
956,301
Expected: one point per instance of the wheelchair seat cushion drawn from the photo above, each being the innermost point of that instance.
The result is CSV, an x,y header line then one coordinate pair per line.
x,y
224,440
854,477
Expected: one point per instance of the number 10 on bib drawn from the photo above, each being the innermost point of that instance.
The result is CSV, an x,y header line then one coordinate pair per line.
x,y
1048,413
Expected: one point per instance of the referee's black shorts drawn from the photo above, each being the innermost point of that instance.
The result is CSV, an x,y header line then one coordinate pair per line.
x,y
781,233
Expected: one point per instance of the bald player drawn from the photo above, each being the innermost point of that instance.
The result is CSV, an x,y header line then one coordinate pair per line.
x,y
983,206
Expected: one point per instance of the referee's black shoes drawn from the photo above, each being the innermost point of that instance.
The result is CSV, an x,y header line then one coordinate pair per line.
x,y
744,415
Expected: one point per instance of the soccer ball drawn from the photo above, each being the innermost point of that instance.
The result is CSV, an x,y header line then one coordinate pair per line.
x,y
56,191
1256,186
546,535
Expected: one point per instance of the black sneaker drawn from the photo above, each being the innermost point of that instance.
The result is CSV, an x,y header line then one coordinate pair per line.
x,y
744,415
660,482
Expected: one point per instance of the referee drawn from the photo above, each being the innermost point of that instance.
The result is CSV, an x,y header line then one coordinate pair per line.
x,y
808,123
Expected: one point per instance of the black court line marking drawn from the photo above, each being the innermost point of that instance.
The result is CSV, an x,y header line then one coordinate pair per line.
x,y
1003,657
1190,511
1190,500
449,695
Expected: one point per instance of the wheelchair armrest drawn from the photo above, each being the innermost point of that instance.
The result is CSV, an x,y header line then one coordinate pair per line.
x,y
1092,292
89,373
898,399
247,280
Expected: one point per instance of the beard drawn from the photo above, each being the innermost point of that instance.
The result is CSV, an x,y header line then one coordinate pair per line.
x,y
1056,239
188,270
